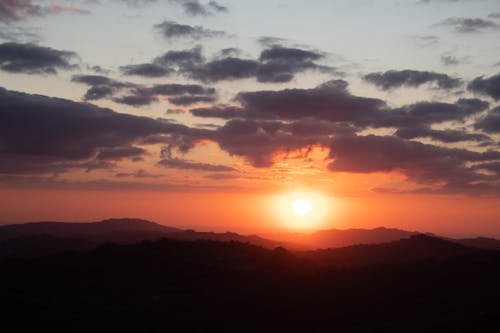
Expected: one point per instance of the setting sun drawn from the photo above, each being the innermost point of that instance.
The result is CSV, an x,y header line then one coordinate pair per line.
x,y
302,207
303,210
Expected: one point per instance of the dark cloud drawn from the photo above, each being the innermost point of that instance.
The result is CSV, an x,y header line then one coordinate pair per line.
x,y
224,112
494,15
188,165
118,153
196,8
181,58
279,53
44,134
180,89
93,80
447,136
490,123
259,141
329,101
141,95
224,69
411,78
146,70
171,29
427,113
493,167
34,59
169,63
100,86
421,163
332,102
469,24
276,64
486,86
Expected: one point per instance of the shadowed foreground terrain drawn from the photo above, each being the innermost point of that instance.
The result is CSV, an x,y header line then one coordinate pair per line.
x,y
202,286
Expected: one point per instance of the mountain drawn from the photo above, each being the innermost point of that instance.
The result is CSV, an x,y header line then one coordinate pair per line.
x,y
112,230
334,238
42,238
413,249
480,242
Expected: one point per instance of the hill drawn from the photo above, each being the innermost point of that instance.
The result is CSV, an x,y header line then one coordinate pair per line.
x,y
207,286
414,249
42,238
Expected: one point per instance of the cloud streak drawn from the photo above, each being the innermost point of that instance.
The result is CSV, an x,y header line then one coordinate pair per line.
x,y
34,59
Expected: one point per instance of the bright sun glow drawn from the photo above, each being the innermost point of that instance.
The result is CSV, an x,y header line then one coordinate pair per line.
x,y
303,210
302,207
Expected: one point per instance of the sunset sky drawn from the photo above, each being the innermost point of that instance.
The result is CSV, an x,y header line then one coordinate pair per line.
x,y
215,114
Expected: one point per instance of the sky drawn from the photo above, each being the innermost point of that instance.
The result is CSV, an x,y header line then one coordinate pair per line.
x,y
216,115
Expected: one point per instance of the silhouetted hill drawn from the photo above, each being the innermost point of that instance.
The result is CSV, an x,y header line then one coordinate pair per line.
x,y
99,231
40,238
207,286
479,242
413,249
333,238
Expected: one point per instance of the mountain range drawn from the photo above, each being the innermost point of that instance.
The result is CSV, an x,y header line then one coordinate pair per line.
x,y
42,238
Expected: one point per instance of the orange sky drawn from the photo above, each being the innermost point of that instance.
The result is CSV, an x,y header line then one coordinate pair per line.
x,y
253,213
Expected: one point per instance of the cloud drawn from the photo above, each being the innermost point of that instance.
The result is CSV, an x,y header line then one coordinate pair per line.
x,y
427,113
34,59
469,24
259,141
270,41
421,163
330,101
119,152
140,95
449,60
411,78
486,86
44,134
491,122
188,165
18,10
447,136
146,70
276,64
171,29
196,8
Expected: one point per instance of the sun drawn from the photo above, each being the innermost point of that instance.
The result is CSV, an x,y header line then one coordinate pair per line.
x,y
302,207
303,210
